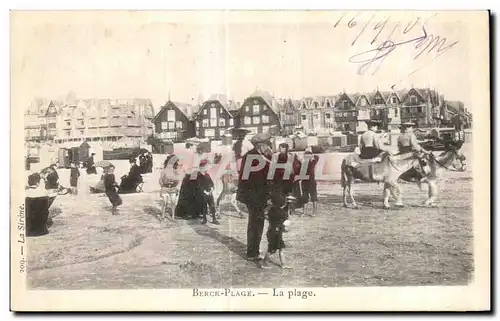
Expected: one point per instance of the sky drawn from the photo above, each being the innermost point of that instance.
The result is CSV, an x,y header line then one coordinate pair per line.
x,y
190,55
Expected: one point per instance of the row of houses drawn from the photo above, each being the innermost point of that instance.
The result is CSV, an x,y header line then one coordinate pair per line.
x,y
105,120
120,122
261,112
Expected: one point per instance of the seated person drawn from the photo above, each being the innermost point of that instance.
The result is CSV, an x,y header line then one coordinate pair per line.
x,y
169,179
370,144
130,182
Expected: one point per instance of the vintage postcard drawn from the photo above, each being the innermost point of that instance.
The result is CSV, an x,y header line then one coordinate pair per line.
x,y
250,161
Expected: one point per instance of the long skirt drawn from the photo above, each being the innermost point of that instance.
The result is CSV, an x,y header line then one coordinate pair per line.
x,y
37,214
114,198
191,200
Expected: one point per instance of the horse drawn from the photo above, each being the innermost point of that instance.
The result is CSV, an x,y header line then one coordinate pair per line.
x,y
451,159
384,168
229,188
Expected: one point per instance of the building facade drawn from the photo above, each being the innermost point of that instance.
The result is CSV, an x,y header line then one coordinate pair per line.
x,y
175,122
214,117
259,113
103,120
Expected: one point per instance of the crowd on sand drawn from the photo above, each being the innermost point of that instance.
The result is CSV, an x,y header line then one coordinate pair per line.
x,y
265,198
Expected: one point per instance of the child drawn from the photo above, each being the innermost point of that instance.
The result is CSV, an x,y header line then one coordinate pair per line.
x,y
278,218
206,185
73,178
111,186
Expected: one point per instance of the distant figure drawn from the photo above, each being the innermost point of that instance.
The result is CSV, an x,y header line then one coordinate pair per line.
x,y
149,162
111,187
37,202
142,163
91,165
73,178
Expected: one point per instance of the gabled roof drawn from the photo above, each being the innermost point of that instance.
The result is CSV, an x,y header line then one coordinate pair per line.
x,y
268,98
186,109
228,104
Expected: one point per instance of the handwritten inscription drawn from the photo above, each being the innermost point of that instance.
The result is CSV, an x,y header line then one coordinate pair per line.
x,y
383,38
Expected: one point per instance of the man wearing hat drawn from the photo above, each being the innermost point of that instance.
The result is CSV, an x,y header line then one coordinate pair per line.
x,y
370,144
253,189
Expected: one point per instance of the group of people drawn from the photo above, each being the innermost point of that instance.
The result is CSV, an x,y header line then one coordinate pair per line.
x,y
371,145
195,199
146,162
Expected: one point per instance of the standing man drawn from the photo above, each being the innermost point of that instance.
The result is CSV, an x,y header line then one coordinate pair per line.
x,y
253,190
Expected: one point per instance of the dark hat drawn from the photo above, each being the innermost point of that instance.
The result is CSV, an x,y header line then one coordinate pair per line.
x,y
261,138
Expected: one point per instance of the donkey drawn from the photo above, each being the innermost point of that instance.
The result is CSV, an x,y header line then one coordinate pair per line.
x,y
451,159
383,169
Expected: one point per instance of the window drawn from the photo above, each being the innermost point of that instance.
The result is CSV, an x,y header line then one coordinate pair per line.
x,y
304,117
171,125
231,122
52,125
264,108
396,112
68,123
316,116
378,100
345,104
407,109
419,109
345,114
328,105
316,104
179,124
213,122
213,112
413,99
364,102
328,116
198,124
256,120
209,132
81,122
205,123
222,122
247,120
205,112
394,99
265,119
247,108
255,109
171,115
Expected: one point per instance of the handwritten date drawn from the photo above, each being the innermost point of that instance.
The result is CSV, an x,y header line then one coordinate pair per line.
x,y
422,44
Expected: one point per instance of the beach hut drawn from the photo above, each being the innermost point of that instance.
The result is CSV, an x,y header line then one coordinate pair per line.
x,y
339,139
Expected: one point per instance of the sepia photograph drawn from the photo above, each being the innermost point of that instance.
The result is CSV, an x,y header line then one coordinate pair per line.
x,y
250,160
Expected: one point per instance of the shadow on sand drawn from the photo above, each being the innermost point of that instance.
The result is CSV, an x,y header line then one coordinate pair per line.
x,y
231,243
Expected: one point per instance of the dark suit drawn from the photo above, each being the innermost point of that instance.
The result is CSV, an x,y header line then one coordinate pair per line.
x,y
253,193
